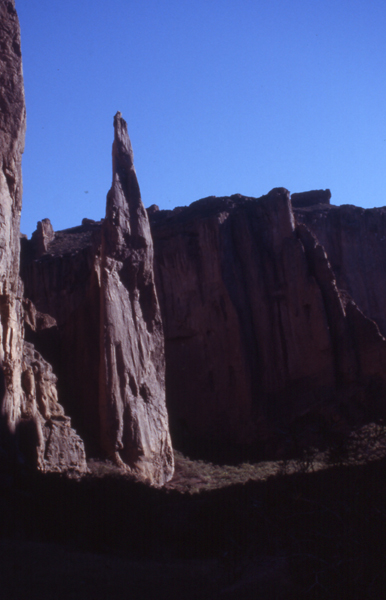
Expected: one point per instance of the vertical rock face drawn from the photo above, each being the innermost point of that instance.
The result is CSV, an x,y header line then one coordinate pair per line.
x,y
12,131
29,404
96,281
63,282
355,241
134,422
264,352
261,348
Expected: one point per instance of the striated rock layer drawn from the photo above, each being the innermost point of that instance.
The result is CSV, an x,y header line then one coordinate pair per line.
x,y
33,422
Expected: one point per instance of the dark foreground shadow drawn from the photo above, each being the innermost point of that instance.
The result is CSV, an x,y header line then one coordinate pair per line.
x,y
305,535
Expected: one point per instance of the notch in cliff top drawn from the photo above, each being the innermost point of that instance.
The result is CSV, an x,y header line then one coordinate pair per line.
x,y
133,417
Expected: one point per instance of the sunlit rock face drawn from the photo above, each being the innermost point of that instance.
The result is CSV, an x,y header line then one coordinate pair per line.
x,y
133,417
97,282
34,428
262,349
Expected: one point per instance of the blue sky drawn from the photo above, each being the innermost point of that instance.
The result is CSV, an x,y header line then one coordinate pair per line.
x,y
220,97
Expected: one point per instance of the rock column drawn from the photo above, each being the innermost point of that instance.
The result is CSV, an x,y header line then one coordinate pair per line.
x,y
133,416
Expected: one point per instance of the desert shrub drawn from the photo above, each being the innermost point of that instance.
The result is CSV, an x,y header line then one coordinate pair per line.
x,y
364,444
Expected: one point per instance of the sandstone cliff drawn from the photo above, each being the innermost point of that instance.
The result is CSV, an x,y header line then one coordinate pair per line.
x,y
12,127
97,282
263,351
63,283
355,241
33,425
273,316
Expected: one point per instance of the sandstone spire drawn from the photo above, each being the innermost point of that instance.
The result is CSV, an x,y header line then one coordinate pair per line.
x,y
134,422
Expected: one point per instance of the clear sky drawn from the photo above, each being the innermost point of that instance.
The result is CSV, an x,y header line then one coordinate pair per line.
x,y
220,97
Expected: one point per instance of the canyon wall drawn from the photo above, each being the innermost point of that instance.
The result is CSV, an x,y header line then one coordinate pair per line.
x,y
33,428
97,282
268,315
262,348
62,279
355,241
265,354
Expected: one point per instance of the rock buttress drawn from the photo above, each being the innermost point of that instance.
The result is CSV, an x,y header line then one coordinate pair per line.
x,y
134,421
34,428
47,438
354,239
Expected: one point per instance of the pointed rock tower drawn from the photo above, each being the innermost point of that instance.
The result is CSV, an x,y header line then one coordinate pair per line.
x,y
133,416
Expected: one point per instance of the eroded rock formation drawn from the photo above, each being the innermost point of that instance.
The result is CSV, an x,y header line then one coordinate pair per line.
x,y
133,417
57,447
64,283
264,351
97,283
273,312
34,427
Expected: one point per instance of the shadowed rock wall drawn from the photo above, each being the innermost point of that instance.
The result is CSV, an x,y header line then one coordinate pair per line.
x,y
355,241
64,283
34,427
12,128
